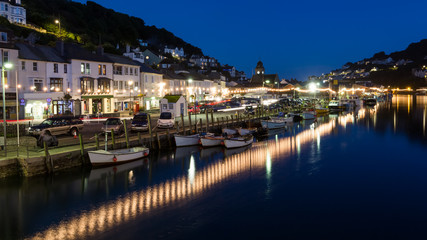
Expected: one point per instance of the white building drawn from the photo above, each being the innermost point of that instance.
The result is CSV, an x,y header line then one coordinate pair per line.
x,y
127,85
175,52
153,87
8,54
13,11
45,78
175,104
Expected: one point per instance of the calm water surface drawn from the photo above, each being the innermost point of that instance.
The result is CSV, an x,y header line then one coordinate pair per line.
x,y
360,175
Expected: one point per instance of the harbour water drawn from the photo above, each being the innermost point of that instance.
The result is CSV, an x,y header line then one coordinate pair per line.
x,y
358,175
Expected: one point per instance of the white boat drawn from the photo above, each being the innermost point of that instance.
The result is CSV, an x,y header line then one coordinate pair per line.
x,y
309,115
273,124
246,131
287,118
111,157
335,105
211,141
238,141
190,140
229,131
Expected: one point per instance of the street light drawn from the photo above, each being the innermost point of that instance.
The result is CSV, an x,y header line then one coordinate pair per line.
x,y
59,23
3,68
130,83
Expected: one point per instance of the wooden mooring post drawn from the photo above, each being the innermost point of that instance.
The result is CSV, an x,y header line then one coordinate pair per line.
x,y
126,134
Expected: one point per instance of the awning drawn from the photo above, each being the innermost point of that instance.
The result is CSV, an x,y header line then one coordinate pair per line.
x,y
96,96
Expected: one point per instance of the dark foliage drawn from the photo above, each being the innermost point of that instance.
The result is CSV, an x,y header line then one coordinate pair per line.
x,y
94,24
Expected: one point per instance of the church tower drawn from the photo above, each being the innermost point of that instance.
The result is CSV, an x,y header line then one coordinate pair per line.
x,y
259,68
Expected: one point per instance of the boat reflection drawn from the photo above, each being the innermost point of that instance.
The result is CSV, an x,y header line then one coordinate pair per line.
x,y
260,157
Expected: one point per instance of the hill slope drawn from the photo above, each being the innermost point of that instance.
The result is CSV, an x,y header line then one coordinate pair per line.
x,y
91,23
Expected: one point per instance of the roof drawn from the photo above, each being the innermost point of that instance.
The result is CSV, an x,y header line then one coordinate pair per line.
x,y
259,78
39,53
120,59
75,51
172,98
171,75
146,69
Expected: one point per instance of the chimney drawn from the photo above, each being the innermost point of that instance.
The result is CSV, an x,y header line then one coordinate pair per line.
x,y
127,48
60,47
100,50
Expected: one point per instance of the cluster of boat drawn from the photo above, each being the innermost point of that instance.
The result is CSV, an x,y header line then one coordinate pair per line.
x,y
230,138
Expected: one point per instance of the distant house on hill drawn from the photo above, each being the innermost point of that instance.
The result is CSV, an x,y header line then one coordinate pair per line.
x,y
13,11
175,52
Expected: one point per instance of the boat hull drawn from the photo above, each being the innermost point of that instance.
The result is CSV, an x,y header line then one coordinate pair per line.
x,y
182,141
273,124
308,115
237,143
104,158
211,142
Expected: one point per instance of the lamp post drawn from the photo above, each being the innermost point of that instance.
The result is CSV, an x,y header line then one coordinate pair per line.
x,y
18,86
130,83
3,68
59,24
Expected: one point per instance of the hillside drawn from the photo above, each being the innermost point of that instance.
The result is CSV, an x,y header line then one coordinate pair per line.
x,y
91,23
401,69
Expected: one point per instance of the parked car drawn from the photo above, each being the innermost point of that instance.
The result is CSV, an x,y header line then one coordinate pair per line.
x,y
57,126
193,109
166,120
205,108
139,122
113,124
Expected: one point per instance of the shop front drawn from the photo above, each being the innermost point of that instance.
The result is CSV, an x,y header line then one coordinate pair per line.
x,y
97,104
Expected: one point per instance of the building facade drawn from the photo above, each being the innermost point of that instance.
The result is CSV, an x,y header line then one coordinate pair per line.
x,y
13,11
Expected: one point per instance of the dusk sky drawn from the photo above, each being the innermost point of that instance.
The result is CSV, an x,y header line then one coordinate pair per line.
x,y
293,38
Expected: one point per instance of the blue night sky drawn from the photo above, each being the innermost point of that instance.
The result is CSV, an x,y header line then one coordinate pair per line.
x,y
295,39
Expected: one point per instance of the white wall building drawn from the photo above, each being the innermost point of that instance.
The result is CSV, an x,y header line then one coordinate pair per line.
x,y
175,52
13,11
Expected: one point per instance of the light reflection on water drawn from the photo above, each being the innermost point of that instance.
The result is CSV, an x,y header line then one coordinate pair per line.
x,y
126,208
202,170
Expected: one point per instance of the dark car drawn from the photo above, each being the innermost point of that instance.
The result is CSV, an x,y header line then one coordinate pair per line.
x,y
139,122
57,126
205,108
113,124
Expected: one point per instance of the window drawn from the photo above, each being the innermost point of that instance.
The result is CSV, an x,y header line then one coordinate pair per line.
x,y
104,84
86,85
104,70
5,56
38,85
130,71
126,85
82,68
152,79
55,84
136,71
116,85
6,7
87,68
23,65
55,68
121,85
164,106
170,105
99,69
118,70
65,68
35,68
3,37
126,71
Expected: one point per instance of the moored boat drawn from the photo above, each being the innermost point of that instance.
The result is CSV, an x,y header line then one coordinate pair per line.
x,y
111,157
211,141
229,131
238,141
273,123
246,131
321,110
335,105
370,102
189,140
309,115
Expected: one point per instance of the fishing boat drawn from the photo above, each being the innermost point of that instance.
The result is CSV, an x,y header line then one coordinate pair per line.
x,y
111,157
211,141
190,140
273,123
238,141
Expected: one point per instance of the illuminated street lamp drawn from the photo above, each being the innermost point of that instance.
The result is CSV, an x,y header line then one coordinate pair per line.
x,y
3,68
59,24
